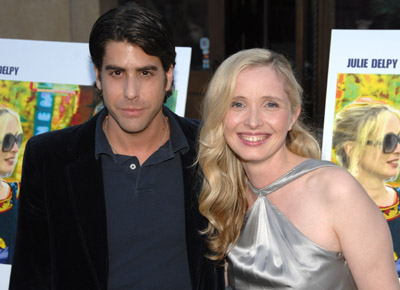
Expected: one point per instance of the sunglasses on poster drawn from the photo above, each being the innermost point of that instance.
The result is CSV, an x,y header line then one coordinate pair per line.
x,y
389,143
9,140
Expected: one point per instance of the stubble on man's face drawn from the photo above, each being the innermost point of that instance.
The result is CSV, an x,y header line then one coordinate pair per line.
x,y
134,86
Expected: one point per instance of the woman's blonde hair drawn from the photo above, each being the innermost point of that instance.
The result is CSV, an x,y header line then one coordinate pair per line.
x,y
223,199
355,125
5,115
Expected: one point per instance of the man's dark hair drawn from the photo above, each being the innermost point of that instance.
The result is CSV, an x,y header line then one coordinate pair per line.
x,y
136,25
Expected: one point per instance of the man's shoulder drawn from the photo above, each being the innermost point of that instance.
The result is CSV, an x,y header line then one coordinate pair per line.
x,y
189,126
184,121
63,137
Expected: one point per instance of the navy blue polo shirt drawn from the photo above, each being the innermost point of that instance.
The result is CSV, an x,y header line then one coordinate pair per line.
x,y
145,215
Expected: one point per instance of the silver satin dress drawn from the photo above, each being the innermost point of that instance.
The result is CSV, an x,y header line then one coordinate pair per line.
x,y
272,254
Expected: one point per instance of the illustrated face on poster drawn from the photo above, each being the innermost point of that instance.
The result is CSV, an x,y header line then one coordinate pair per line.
x,y
362,116
364,76
366,125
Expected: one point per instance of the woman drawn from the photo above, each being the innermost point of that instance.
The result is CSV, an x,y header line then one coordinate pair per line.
x,y
282,219
366,138
11,139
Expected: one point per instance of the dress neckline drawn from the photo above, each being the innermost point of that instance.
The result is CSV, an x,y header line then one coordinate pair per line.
x,y
265,190
300,169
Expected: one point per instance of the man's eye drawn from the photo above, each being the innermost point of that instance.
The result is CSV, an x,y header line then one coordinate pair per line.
x,y
146,73
116,73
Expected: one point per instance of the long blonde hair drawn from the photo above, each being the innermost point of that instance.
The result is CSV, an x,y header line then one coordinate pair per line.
x,y
356,123
223,200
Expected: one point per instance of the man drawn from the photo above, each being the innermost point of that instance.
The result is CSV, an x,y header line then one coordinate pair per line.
x,y
112,204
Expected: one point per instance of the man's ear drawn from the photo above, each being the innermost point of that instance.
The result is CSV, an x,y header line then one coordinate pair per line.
x,y
98,78
170,77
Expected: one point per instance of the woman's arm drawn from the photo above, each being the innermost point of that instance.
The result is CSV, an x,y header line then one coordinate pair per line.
x,y
363,234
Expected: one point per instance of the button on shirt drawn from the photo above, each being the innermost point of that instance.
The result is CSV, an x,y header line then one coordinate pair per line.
x,y
145,215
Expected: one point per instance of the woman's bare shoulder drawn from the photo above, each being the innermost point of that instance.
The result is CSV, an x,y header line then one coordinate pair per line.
x,y
331,174
336,183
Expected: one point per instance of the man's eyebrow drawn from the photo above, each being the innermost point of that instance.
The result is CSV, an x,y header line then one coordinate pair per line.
x,y
113,67
147,67
139,69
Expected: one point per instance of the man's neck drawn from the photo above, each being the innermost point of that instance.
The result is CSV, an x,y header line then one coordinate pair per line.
x,y
142,144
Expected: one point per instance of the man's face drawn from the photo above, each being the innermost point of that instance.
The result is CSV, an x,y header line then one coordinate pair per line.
x,y
134,85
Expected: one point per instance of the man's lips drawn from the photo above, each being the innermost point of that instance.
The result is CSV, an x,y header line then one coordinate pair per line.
x,y
132,111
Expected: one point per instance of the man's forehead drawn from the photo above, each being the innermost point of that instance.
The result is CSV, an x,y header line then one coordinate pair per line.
x,y
122,53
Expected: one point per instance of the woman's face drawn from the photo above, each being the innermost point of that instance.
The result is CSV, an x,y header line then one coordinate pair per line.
x,y
374,160
9,159
259,116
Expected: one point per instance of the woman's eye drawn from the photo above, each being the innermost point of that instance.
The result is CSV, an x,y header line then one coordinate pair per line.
x,y
237,105
272,105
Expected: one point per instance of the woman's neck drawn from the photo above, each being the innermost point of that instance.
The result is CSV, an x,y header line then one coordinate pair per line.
x,y
4,189
262,174
377,189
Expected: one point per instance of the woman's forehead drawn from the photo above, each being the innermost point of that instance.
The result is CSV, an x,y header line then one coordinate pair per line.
x,y
387,123
9,124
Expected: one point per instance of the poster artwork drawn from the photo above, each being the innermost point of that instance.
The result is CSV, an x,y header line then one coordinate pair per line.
x,y
362,116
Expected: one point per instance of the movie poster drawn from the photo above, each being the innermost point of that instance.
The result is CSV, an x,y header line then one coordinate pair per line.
x,y
49,86
362,116
364,67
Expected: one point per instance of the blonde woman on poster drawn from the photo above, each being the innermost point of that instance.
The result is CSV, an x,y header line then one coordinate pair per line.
x,y
10,142
366,140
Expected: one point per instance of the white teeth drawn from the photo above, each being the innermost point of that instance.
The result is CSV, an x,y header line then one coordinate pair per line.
x,y
253,138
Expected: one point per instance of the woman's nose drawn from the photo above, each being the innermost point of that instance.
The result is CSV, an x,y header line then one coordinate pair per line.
x,y
15,148
253,118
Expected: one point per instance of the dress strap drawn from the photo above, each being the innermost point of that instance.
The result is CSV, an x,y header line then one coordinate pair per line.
x,y
299,170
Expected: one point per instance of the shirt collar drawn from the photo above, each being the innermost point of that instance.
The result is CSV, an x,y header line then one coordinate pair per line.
x,y
101,143
177,139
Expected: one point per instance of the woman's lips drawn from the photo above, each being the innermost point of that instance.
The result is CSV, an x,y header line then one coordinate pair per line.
x,y
10,160
253,139
394,163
